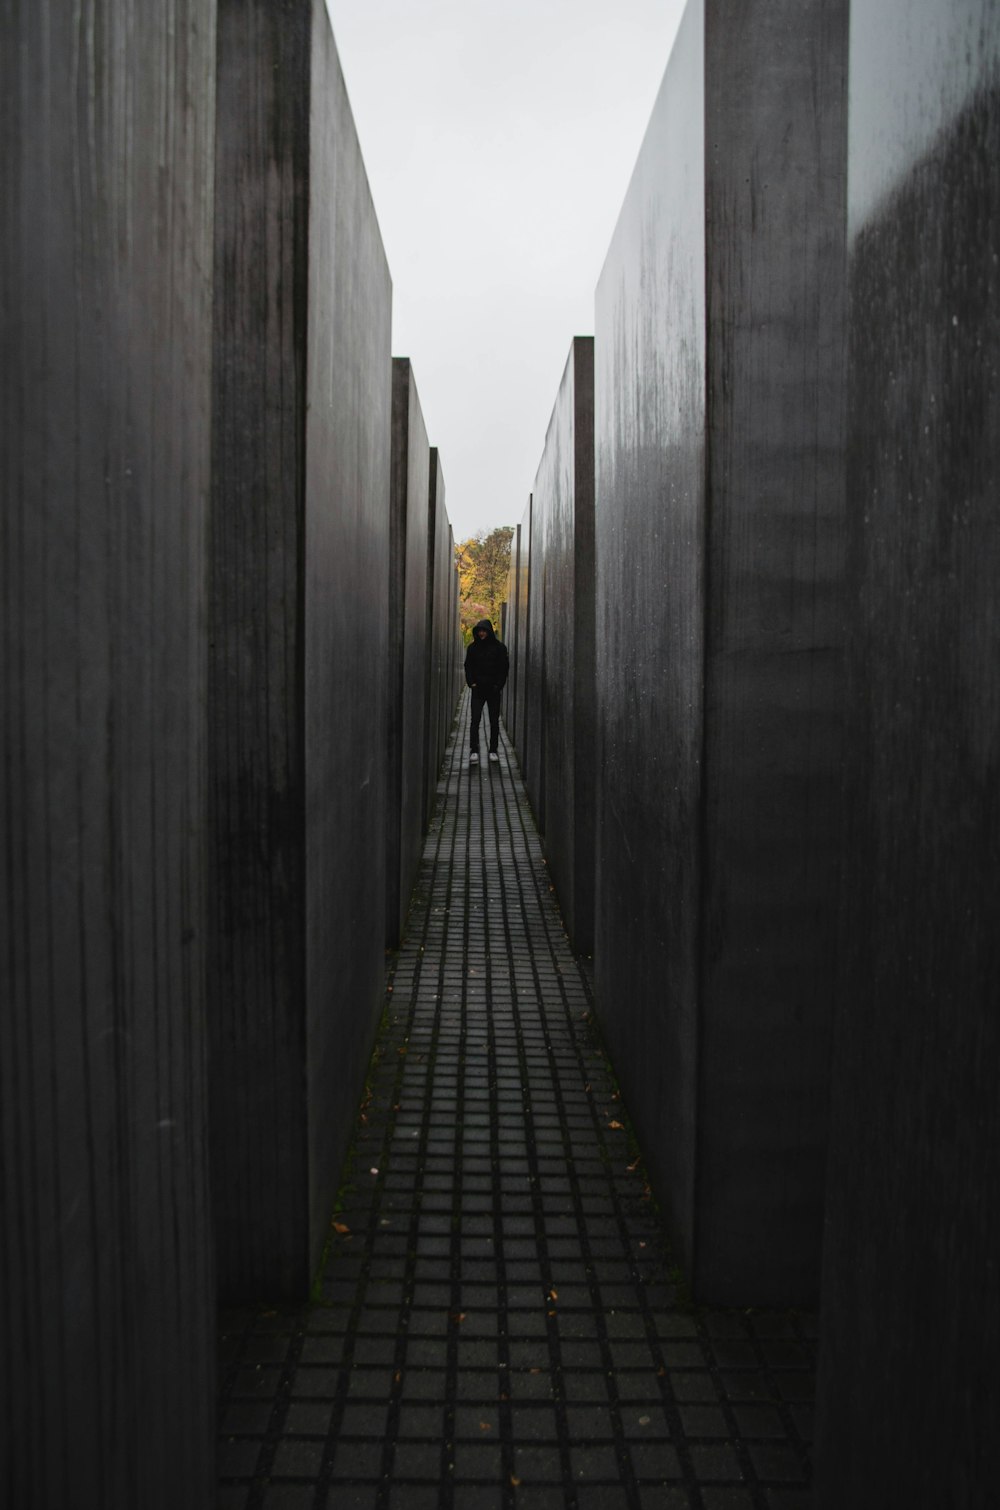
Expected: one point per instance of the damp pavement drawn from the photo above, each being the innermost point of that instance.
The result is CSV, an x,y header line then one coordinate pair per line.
x,y
497,1324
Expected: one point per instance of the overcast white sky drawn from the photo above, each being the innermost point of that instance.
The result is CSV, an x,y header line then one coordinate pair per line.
x,y
499,138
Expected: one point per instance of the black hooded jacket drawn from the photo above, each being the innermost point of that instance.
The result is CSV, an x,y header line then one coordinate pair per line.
x,y
486,661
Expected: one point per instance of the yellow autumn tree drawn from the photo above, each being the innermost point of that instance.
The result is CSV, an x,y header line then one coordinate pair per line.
x,y
483,569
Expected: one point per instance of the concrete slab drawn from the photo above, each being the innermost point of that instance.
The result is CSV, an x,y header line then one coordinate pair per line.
x,y
511,636
563,500
523,644
408,656
443,634
719,399
299,587
106,1367
912,1234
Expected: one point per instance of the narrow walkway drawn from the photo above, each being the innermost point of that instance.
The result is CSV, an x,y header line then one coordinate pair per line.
x,y
497,1328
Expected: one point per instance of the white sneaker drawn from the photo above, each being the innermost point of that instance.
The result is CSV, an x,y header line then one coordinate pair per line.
x,y
474,758
494,757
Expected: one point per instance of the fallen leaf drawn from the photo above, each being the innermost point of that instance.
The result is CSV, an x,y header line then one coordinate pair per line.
x,y
617,1127
515,1481
633,1166
485,1426
342,1228
553,1293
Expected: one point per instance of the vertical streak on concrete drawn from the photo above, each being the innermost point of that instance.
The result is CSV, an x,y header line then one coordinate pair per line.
x,y
911,1297
106,1365
298,594
719,536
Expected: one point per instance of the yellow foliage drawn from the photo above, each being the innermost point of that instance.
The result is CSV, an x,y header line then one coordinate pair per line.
x,y
483,569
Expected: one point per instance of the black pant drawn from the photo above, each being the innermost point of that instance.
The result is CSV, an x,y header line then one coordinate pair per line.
x,y
491,697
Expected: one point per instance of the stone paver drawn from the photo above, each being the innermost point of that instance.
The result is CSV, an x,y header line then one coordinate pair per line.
x,y
496,1326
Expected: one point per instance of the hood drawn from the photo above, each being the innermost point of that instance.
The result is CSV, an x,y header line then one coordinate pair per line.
x,y
484,624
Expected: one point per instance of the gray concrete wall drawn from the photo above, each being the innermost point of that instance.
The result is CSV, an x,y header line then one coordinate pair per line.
x,y
649,381
512,637
348,434
563,497
407,659
455,648
442,632
298,589
719,627
531,746
106,1366
908,1399
523,645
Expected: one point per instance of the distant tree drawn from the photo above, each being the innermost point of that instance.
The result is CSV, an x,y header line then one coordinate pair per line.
x,y
483,569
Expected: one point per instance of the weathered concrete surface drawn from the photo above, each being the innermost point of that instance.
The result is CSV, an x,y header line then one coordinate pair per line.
x,y
348,435
298,588
106,1370
563,500
531,750
443,634
511,637
719,634
408,646
911,1301
523,641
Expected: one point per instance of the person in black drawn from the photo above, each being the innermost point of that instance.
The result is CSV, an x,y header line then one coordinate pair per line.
x,y
486,667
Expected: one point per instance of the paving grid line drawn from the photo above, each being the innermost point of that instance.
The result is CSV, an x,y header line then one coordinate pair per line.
x,y
440,1369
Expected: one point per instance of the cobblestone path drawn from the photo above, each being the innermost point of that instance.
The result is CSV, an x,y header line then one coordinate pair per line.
x,y
496,1323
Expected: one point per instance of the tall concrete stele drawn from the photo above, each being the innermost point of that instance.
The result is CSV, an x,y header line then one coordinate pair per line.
x,y
107,1307
298,618
908,1394
408,650
719,632
552,563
